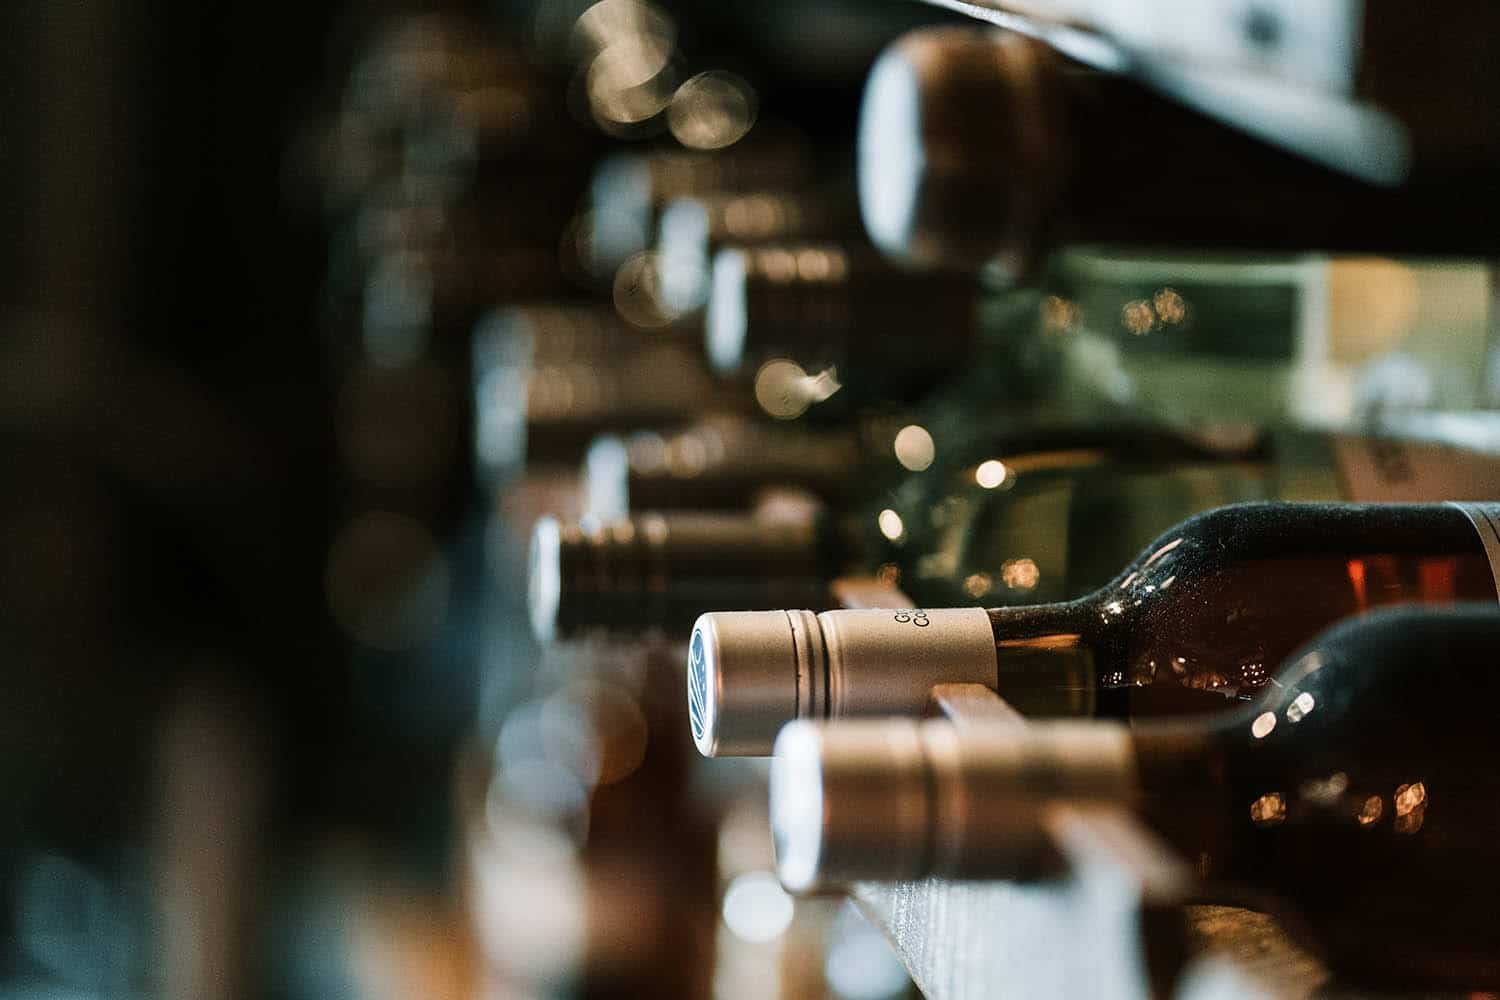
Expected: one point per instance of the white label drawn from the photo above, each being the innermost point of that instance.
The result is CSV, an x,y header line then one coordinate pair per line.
x,y
1311,44
1486,520
1390,470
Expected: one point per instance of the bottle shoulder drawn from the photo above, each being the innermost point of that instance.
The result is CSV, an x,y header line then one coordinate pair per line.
x,y
1263,529
1218,603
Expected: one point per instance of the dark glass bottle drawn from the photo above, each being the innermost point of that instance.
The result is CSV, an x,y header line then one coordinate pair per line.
x,y
721,463
663,568
1358,789
724,461
1027,517
1355,794
548,379
1198,622
840,306
696,227
658,571
629,190
982,148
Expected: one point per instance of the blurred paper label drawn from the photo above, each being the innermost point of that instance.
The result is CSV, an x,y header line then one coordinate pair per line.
x,y
1388,470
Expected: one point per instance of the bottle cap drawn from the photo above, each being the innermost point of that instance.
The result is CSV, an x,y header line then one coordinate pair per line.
x,y
897,799
959,163
661,570
751,672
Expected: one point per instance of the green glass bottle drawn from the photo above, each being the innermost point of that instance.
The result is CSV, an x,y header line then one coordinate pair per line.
x,y
985,528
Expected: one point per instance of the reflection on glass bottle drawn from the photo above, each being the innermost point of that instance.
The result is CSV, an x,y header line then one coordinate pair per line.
x,y
1198,622
1053,525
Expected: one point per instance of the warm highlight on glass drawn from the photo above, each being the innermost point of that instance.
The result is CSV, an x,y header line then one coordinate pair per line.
x,y
1198,622
1351,795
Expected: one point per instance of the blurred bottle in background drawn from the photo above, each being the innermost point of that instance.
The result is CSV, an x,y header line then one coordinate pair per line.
x,y
983,526
305,351
985,149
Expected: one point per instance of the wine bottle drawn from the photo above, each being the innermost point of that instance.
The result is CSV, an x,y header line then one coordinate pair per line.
x,y
659,571
1356,791
1284,341
548,379
985,149
841,306
694,228
1044,525
719,462
1199,621
478,113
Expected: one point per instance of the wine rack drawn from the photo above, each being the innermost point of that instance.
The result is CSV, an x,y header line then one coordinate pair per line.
x,y
1060,438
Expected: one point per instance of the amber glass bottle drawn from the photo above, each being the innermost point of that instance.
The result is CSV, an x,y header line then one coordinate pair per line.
x,y
1198,621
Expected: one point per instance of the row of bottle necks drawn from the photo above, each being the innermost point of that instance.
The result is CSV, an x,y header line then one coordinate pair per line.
x,y
1204,622
1325,746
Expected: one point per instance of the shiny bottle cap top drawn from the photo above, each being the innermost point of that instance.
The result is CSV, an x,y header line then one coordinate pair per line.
x,y
606,477
738,711
725,325
544,577
958,159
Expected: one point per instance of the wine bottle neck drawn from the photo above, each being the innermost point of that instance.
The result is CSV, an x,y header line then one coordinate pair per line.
x,y
1181,791
1048,657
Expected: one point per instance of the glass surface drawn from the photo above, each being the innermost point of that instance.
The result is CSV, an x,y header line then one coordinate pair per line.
x,y
1359,789
1210,610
